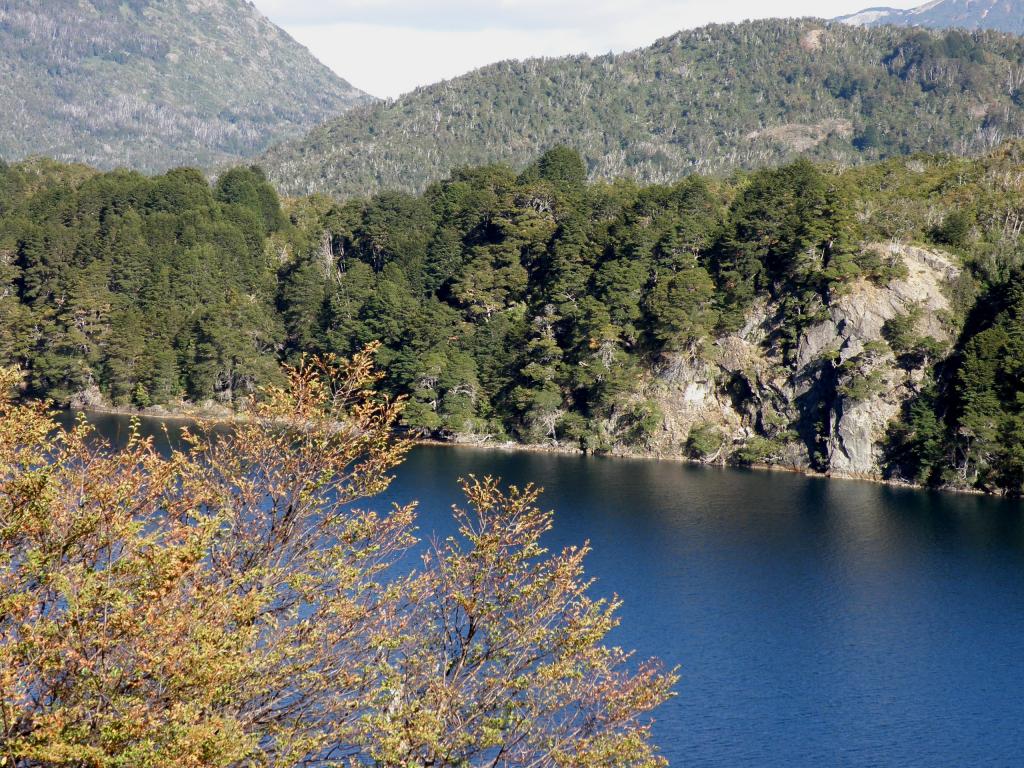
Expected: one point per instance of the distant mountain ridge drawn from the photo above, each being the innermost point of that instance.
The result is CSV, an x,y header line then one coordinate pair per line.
x,y
1001,15
708,100
155,83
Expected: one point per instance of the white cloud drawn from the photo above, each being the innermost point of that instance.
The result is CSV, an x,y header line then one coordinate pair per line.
x,y
388,47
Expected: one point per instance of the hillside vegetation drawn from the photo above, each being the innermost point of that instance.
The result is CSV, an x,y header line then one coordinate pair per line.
x,y
706,101
151,85
864,322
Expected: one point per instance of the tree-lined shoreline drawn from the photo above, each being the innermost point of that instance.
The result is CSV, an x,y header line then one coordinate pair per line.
x,y
709,319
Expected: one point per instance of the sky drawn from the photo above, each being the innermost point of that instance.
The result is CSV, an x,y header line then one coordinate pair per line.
x,y
389,47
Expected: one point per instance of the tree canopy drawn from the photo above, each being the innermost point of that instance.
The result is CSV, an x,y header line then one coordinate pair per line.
x,y
529,306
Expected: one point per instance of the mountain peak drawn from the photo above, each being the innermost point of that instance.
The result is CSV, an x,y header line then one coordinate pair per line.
x,y
1001,15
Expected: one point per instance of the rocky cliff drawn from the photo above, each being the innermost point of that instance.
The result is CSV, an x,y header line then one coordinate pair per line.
x,y
828,403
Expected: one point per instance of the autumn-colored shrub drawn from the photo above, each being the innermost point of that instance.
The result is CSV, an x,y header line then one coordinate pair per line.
x,y
230,604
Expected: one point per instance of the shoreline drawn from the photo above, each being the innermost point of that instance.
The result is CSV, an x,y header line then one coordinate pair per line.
x,y
513,447
159,412
229,417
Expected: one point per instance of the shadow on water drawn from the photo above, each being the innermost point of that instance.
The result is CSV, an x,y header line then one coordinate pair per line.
x,y
817,622
115,429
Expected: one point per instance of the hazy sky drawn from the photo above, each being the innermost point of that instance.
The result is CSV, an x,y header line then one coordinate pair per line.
x,y
388,47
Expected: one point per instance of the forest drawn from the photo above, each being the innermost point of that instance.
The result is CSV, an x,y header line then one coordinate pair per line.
x,y
153,84
528,305
706,100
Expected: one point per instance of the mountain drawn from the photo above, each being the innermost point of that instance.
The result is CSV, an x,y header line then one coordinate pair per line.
x,y
152,84
707,100
1002,15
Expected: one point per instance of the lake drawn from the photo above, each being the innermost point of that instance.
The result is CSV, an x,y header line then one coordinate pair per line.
x,y
817,622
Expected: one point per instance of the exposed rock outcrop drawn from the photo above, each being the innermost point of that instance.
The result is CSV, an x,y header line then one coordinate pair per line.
x,y
858,424
88,399
831,405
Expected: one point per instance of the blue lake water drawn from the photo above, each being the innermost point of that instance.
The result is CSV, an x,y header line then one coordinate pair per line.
x,y
816,622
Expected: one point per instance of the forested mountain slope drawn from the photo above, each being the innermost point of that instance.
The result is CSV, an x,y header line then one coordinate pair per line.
x,y
150,84
865,322
708,101
1002,15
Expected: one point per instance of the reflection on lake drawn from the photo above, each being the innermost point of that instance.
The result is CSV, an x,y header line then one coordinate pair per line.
x,y
817,622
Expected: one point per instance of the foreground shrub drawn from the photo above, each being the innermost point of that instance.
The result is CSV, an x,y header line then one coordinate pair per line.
x,y
231,605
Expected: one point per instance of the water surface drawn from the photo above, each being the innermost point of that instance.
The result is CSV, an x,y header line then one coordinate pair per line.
x,y
817,622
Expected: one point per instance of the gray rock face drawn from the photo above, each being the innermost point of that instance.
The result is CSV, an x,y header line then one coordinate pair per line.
x,y
857,320
856,432
845,381
688,393
859,426
88,399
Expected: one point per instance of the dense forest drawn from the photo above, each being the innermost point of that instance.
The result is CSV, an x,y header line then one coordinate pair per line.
x,y
151,84
538,307
708,100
